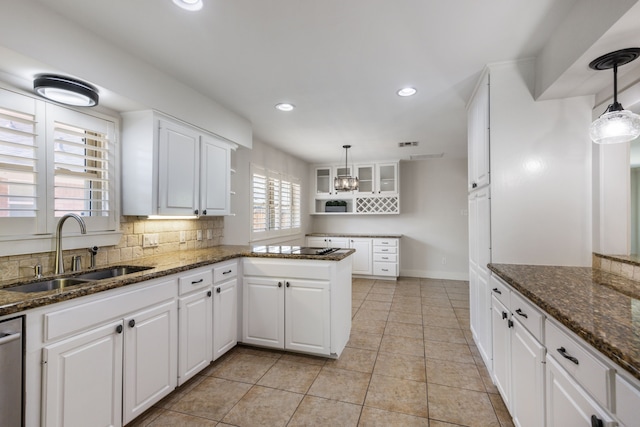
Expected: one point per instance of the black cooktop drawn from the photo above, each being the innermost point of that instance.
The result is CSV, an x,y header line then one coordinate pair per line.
x,y
293,250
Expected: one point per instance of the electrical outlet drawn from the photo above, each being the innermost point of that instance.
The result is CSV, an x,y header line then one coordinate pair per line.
x,y
209,234
183,236
149,240
199,235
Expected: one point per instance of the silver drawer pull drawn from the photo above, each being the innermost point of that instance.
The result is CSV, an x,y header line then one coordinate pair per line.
x,y
564,354
9,337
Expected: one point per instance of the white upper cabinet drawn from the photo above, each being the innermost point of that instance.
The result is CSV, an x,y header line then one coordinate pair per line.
x,y
171,168
366,177
478,135
386,178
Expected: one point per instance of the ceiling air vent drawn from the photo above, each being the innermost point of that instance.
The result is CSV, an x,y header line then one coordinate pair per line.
x,y
408,144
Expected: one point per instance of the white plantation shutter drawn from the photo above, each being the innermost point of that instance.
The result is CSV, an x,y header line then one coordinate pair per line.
x,y
276,203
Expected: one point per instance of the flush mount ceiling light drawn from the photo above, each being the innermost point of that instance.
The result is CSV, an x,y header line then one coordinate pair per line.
x,y
407,91
285,106
65,90
190,5
346,182
616,124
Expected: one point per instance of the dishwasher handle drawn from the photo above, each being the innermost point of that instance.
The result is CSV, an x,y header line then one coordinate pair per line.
x,y
5,339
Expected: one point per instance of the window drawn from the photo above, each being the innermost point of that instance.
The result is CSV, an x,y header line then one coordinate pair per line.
x,y
53,161
275,203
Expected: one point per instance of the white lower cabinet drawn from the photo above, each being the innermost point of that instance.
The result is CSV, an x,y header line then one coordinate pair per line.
x,y
150,362
106,361
386,257
501,333
82,379
363,257
196,337
225,317
568,404
298,305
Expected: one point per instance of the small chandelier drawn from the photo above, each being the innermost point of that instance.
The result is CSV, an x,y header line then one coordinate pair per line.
x,y
615,125
345,182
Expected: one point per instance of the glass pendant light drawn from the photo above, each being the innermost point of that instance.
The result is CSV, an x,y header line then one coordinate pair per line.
x,y
615,125
346,182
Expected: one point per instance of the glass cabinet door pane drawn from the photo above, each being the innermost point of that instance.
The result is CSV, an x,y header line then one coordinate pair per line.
x,y
365,176
387,178
323,180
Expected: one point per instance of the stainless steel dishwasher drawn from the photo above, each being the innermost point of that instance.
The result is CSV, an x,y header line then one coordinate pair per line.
x,y
11,351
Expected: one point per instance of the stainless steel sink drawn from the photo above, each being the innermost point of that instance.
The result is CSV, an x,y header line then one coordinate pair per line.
x,y
111,272
47,285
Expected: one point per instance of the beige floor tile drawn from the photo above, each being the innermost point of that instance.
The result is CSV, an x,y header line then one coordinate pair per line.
x,y
263,406
441,321
263,352
316,411
365,340
409,300
354,359
402,317
435,423
367,325
381,290
437,333
453,374
379,297
501,410
358,296
304,358
409,291
433,292
402,345
147,417
371,314
413,308
340,384
436,301
398,395
489,386
172,419
376,305
404,330
181,391
448,351
461,312
290,376
213,398
244,367
372,417
429,310
401,366
458,303
459,406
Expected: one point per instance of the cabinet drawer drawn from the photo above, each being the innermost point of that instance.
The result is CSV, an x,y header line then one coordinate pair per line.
x,y
385,242
591,373
385,257
195,280
530,317
385,269
501,291
385,250
225,271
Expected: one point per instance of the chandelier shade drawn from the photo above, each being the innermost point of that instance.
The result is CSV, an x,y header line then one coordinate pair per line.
x,y
346,182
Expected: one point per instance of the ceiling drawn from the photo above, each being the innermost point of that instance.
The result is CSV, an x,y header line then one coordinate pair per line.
x,y
339,62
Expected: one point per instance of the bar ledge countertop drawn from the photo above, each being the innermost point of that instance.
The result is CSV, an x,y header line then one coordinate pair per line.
x,y
600,307
161,265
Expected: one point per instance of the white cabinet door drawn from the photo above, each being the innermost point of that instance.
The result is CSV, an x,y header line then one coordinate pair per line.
x,y
195,347
83,379
307,316
527,378
263,311
362,262
317,242
215,188
484,318
366,177
568,404
150,358
478,136
502,350
338,242
387,178
178,170
225,317
324,181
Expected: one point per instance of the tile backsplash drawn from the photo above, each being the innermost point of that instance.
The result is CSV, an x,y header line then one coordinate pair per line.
x,y
130,246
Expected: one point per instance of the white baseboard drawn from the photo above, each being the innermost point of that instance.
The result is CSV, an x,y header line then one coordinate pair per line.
x,y
431,274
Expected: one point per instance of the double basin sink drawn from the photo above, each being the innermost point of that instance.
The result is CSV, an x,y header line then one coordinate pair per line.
x,y
63,282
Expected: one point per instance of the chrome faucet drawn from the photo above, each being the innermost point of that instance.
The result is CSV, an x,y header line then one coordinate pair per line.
x,y
59,267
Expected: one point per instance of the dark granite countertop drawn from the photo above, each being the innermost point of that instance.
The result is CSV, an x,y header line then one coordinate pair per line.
x,y
364,236
627,259
600,307
161,265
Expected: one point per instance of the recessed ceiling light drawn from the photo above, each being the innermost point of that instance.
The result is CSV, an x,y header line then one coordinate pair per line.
x,y
285,106
407,91
191,5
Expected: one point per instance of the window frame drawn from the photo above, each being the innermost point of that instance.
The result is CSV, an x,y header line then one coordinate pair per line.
x,y
38,236
274,212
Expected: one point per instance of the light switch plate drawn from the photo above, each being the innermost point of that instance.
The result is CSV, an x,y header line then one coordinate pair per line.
x,y
150,240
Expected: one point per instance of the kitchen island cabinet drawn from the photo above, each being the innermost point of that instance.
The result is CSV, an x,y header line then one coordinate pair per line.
x,y
297,305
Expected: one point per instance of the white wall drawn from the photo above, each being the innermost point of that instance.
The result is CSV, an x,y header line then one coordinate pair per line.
x,y
540,173
237,227
433,219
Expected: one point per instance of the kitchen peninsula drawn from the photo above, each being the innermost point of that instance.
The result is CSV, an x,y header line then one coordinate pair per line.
x,y
144,333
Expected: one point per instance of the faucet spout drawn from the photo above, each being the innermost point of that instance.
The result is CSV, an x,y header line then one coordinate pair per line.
x,y
59,266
